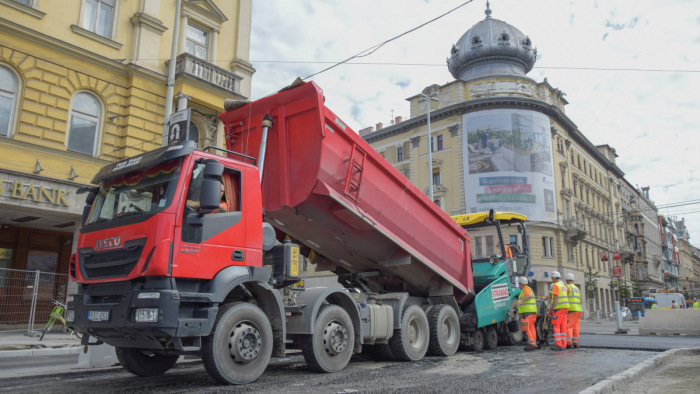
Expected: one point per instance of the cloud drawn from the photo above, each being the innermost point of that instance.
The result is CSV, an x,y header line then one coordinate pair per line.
x,y
639,113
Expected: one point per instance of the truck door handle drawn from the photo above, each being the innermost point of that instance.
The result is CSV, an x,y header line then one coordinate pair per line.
x,y
238,255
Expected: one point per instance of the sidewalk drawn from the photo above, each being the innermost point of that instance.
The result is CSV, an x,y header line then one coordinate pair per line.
x,y
17,344
608,327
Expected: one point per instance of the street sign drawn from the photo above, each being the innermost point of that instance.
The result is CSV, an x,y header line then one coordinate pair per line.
x,y
617,271
178,126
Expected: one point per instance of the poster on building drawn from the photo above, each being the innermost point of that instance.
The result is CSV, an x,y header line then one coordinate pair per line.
x,y
617,271
508,163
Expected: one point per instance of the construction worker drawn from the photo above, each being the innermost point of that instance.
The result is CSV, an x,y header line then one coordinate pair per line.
x,y
559,308
574,315
527,308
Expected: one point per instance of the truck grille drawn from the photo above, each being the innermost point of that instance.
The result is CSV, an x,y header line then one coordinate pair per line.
x,y
112,263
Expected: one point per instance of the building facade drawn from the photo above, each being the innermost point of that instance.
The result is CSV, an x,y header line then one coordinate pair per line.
x,y
501,140
83,83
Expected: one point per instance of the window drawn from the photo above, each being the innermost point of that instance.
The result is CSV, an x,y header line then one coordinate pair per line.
x,y
197,42
99,16
28,3
84,120
436,176
547,247
439,142
8,94
399,154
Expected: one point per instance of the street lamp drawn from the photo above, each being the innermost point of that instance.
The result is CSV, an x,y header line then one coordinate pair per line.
x,y
427,99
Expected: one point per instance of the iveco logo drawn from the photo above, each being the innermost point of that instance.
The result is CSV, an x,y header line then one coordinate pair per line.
x,y
107,243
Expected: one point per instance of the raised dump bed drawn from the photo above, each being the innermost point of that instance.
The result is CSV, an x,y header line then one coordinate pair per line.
x,y
328,189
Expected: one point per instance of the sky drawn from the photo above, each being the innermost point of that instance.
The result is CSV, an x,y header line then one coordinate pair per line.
x,y
630,70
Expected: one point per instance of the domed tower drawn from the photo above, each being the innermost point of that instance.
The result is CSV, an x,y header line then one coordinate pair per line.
x,y
491,48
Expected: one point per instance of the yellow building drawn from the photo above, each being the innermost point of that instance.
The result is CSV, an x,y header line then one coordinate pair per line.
x,y
83,83
502,141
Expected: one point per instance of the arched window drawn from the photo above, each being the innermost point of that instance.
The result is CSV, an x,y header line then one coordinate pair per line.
x,y
85,118
8,98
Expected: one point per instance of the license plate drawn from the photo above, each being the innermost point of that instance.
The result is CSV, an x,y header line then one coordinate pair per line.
x,y
98,315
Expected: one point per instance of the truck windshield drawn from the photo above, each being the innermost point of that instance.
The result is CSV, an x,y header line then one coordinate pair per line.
x,y
144,191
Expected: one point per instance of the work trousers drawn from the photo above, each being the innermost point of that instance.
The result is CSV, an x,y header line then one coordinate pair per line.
x,y
574,322
528,327
559,326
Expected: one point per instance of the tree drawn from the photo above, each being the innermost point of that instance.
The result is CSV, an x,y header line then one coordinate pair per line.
x,y
636,289
591,279
624,290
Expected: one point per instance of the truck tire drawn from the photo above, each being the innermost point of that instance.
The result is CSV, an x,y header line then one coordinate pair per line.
x,y
143,362
331,345
240,345
410,342
477,341
490,338
444,330
511,333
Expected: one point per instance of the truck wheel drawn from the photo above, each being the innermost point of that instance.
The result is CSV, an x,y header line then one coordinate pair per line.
x,y
240,345
410,342
331,345
477,340
142,362
491,338
444,330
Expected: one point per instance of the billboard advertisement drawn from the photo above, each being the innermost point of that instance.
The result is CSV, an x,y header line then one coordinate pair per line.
x,y
508,163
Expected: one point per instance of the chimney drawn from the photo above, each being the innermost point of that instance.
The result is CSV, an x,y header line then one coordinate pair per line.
x,y
645,191
366,130
379,126
398,119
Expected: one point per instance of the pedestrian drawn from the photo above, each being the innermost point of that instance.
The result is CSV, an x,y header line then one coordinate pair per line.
x,y
527,308
574,315
673,304
559,308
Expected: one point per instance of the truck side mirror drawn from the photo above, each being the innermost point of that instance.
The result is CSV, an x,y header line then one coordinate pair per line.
x,y
210,196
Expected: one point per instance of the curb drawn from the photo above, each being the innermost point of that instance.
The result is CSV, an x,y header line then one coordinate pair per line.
x,y
620,381
41,352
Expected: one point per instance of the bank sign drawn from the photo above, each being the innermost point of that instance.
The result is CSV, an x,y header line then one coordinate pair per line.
x,y
30,192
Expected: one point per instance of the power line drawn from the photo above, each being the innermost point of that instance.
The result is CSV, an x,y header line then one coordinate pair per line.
x,y
375,48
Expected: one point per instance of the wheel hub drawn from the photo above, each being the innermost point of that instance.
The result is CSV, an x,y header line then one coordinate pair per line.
x,y
245,343
335,338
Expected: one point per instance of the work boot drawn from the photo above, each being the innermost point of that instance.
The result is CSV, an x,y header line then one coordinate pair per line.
x,y
557,348
569,346
530,348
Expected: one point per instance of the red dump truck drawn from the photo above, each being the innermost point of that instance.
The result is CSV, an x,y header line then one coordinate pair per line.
x,y
197,252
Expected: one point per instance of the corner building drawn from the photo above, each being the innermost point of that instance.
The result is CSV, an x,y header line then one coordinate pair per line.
x,y
501,140
82,84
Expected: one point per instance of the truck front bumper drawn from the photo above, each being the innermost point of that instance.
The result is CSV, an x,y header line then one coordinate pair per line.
x,y
147,315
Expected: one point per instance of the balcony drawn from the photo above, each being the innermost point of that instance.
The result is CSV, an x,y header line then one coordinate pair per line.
x,y
201,70
626,252
575,231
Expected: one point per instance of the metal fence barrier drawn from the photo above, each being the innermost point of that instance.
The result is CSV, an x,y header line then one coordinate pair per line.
x,y
26,298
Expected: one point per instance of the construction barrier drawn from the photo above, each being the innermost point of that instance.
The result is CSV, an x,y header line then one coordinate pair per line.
x,y
670,322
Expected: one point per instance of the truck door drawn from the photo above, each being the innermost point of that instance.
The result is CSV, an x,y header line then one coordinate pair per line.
x,y
215,240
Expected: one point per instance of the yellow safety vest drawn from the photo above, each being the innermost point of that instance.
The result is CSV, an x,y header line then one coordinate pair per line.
x,y
563,302
696,305
529,306
574,299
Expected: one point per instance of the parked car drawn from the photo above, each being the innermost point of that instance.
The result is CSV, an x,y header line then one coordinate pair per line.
x,y
625,313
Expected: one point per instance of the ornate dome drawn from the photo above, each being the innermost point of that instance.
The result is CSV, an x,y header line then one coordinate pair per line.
x,y
491,47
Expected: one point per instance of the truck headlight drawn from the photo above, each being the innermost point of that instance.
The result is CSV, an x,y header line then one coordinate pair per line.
x,y
70,315
147,315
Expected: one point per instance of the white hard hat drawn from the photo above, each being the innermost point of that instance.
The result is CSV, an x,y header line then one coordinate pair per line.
x,y
569,276
556,274
522,280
